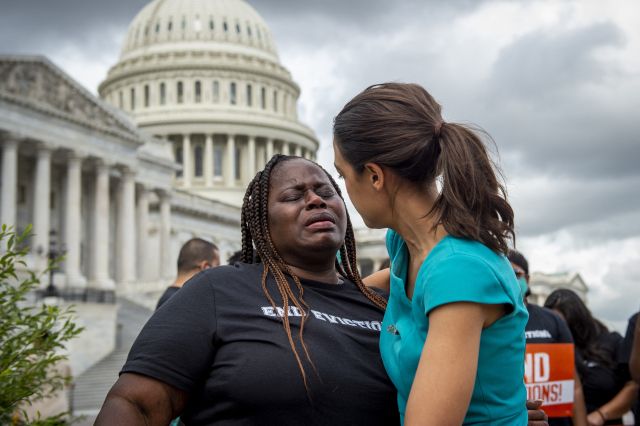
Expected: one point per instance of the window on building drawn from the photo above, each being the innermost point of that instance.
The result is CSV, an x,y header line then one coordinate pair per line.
x,y
236,163
232,94
238,28
163,94
169,26
157,27
211,24
248,29
146,96
225,26
275,100
198,92
217,160
184,23
146,30
216,92
249,95
180,93
258,33
178,157
263,98
197,158
120,99
133,98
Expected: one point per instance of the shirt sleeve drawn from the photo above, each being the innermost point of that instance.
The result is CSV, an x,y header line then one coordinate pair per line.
x,y
176,345
463,278
627,343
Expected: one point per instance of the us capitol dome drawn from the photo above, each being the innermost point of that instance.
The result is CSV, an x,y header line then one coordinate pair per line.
x,y
205,75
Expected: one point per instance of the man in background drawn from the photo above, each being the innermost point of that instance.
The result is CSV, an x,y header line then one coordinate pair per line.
x,y
545,326
195,255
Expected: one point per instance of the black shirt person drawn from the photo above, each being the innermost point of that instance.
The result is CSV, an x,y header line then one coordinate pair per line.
x,y
195,255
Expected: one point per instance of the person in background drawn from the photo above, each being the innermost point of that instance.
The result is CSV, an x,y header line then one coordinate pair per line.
x,y
546,326
195,255
631,353
433,185
608,391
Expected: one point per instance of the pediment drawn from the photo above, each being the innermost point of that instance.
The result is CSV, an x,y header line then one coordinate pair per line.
x,y
37,83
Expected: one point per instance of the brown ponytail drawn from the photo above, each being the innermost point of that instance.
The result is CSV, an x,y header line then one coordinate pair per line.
x,y
400,126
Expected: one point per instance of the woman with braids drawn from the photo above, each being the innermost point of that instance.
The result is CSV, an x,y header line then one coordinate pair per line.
x,y
608,389
452,339
290,340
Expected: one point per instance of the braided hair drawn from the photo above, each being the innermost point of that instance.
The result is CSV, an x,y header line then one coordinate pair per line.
x,y
255,233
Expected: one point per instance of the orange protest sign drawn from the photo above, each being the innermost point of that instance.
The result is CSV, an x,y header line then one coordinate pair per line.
x,y
549,376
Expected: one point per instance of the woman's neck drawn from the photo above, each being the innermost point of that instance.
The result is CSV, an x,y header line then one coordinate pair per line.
x,y
411,219
327,275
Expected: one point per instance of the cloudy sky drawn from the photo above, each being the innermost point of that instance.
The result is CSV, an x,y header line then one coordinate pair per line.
x,y
556,83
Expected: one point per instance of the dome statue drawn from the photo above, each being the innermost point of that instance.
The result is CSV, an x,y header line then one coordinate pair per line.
x,y
205,75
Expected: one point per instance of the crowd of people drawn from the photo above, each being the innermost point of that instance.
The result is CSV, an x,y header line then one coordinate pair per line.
x,y
291,334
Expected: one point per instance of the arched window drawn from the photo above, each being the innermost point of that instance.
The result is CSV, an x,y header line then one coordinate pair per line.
x,y
275,100
216,92
232,94
198,92
163,94
146,96
180,93
169,26
263,98
237,28
197,157
225,26
133,98
211,26
249,95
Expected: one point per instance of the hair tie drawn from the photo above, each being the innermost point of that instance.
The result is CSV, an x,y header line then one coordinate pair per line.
x,y
436,130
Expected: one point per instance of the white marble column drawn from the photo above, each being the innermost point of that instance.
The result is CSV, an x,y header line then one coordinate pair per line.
x,y
100,236
126,261
251,158
269,149
9,184
298,151
187,161
41,208
230,163
208,160
142,228
166,265
73,223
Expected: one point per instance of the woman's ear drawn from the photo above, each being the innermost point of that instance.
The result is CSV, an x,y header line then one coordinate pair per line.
x,y
375,175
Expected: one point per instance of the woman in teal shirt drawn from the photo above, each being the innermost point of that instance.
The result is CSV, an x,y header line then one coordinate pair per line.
x,y
453,332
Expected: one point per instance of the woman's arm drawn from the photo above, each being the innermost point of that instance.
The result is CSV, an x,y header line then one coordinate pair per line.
x,y
442,389
579,417
617,407
379,279
140,400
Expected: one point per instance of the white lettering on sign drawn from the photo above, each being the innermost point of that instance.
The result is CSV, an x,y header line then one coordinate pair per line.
x,y
552,393
537,367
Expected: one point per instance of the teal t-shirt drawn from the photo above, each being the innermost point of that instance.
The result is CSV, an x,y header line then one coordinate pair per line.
x,y
458,270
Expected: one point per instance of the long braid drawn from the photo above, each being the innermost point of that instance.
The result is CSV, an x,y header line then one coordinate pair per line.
x,y
255,232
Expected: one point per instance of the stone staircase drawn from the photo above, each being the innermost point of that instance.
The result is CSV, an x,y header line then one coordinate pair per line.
x,y
92,386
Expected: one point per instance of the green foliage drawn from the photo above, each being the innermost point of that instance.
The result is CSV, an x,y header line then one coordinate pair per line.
x,y
31,337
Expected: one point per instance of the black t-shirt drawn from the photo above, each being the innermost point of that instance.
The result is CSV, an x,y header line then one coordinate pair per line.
x,y
600,383
545,326
220,340
170,291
